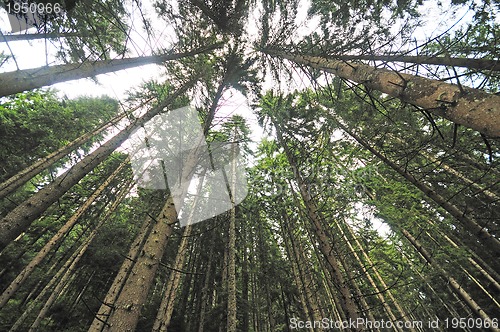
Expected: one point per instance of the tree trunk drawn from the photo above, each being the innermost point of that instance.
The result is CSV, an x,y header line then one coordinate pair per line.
x,y
104,311
20,218
347,301
167,304
34,36
376,290
72,261
127,308
29,79
23,176
457,288
402,312
472,108
26,272
481,64
231,266
492,243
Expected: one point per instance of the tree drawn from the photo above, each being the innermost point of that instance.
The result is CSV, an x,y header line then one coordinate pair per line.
x,y
450,101
28,79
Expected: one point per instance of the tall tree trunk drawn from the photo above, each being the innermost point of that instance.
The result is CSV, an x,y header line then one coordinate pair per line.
x,y
71,262
14,182
386,289
231,280
457,288
472,108
167,304
20,218
35,36
376,290
471,225
29,79
26,272
481,64
102,315
206,287
347,301
127,307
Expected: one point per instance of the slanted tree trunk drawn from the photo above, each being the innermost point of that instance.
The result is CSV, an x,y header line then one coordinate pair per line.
x,y
104,311
29,79
63,231
347,301
469,107
402,313
481,64
491,243
23,176
376,290
20,218
71,262
455,286
35,36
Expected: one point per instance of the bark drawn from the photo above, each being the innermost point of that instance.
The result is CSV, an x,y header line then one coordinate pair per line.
x,y
29,79
20,218
481,64
471,225
128,305
472,108
455,286
61,233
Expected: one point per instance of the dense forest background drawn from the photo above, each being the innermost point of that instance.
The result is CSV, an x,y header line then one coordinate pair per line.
x,y
373,194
